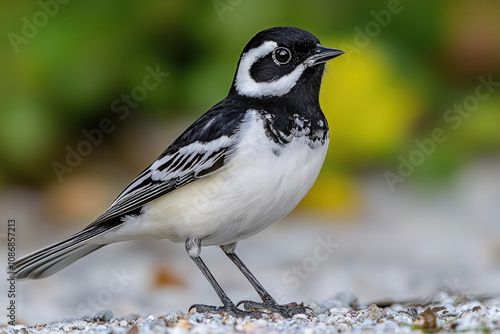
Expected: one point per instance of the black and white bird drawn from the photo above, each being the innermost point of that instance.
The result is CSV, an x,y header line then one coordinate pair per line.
x,y
243,165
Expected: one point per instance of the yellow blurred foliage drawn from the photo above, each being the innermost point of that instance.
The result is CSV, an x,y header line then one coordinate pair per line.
x,y
370,109
334,194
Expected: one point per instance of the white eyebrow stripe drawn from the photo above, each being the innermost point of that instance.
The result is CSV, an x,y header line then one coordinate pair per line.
x,y
246,85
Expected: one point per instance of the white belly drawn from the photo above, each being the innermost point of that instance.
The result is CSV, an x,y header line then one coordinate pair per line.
x,y
255,189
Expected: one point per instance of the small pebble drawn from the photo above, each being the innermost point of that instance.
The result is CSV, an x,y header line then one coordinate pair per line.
x,y
249,327
104,315
184,324
375,312
412,311
173,316
196,318
101,328
260,323
341,310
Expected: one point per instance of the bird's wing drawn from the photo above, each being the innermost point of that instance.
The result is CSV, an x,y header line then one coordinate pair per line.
x,y
205,147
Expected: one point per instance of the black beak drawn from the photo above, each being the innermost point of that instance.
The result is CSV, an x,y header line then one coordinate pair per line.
x,y
323,55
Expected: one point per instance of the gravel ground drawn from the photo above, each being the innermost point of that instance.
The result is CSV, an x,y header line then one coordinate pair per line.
x,y
442,313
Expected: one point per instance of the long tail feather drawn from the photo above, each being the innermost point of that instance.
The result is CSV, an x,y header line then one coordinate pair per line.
x,y
49,260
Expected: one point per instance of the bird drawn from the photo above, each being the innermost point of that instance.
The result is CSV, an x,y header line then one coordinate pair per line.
x,y
240,167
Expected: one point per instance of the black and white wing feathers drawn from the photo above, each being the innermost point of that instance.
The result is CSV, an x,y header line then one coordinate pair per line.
x,y
205,147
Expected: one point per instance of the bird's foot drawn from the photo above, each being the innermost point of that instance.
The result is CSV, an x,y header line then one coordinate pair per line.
x,y
229,309
270,306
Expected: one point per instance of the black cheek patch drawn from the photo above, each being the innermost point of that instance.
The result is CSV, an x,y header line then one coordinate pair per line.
x,y
266,70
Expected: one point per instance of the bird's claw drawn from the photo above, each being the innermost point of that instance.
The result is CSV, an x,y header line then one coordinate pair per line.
x,y
229,309
286,310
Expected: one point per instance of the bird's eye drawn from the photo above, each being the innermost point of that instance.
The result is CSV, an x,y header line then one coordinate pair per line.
x,y
282,55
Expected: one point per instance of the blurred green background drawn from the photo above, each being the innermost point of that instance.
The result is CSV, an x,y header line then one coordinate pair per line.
x,y
64,64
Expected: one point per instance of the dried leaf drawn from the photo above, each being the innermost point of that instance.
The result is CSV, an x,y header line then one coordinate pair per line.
x,y
429,319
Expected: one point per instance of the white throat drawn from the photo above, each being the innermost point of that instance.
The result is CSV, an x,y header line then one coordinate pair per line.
x,y
246,85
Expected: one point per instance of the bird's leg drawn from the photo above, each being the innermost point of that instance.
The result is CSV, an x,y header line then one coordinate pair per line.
x,y
268,302
193,248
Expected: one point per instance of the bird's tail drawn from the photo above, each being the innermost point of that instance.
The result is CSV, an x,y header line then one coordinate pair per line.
x,y
49,260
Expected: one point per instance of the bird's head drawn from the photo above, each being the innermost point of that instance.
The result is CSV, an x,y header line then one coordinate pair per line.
x,y
279,61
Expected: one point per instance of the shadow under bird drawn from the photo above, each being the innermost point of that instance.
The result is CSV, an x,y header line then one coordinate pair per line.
x,y
243,165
